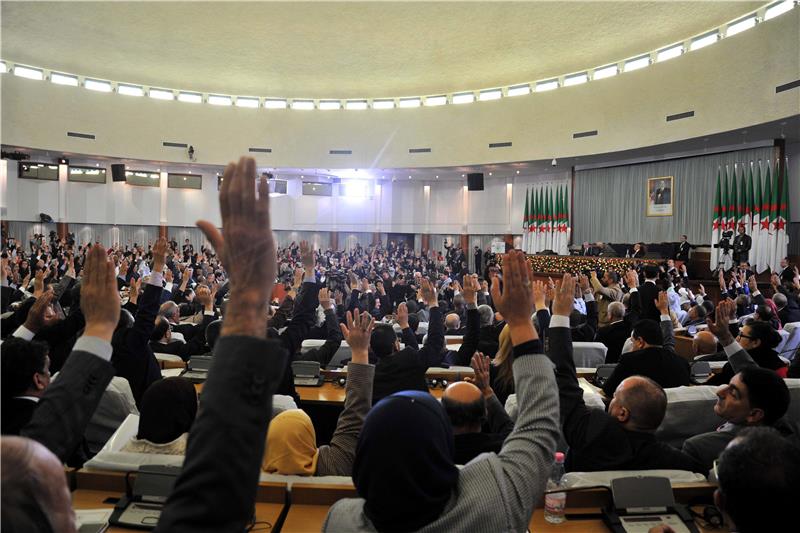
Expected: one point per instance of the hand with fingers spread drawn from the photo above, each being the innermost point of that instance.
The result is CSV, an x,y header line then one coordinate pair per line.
x,y
402,316
99,297
515,302
539,292
246,247
662,303
325,299
36,314
470,290
357,334
428,293
719,326
480,364
38,283
562,305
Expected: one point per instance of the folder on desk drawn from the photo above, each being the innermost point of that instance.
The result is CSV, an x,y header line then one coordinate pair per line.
x,y
141,506
197,370
307,374
643,502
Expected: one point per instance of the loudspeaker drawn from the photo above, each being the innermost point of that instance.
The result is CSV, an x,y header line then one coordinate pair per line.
x,y
118,172
44,217
475,181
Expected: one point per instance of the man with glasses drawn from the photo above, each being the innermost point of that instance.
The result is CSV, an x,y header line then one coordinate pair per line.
x,y
754,396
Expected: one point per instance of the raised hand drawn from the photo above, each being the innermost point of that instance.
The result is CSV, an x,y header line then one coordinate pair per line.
x,y
402,315
246,247
380,288
701,290
307,258
36,314
133,293
325,299
562,305
159,254
470,290
357,334
203,297
428,293
662,303
480,364
99,297
583,283
515,302
38,283
719,326
751,282
632,279
539,291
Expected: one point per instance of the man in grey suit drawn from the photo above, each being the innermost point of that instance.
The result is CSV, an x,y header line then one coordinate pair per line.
x,y
755,396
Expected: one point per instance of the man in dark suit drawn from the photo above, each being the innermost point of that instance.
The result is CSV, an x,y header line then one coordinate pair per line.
x,y
653,355
741,246
662,195
618,330
648,293
622,438
682,251
26,375
478,258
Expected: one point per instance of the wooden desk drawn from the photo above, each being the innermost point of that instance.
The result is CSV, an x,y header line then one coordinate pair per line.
x,y
331,394
305,518
93,499
683,347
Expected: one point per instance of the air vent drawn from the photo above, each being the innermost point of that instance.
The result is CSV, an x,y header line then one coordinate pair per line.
x,y
679,116
500,145
584,134
419,150
80,135
340,152
175,145
786,86
260,150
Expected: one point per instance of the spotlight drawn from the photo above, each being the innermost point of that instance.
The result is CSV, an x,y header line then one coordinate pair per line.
x,y
553,162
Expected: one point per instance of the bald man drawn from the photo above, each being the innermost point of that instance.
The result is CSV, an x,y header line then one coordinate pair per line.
x,y
35,494
452,324
480,424
704,343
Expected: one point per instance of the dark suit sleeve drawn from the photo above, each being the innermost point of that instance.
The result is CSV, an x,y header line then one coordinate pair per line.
x,y
431,353
621,371
60,420
216,490
469,343
305,308
497,420
325,353
282,315
591,317
409,338
635,311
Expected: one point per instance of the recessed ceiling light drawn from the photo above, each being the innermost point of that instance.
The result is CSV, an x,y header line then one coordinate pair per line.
x,y
409,102
463,98
330,104
605,72
490,173
274,103
778,9
490,94
702,42
519,90
636,64
577,79
27,72
740,26
546,86
191,98
432,101
63,79
97,85
215,99
517,171
243,101
382,104
303,105
355,104
437,177
669,53
130,90
161,94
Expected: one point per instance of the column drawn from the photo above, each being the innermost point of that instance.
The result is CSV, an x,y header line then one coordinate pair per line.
x,y
426,242
334,240
162,231
465,243
376,237
508,238
62,228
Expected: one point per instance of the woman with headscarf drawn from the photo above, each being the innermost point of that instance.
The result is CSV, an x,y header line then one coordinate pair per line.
x,y
291,439
169,407
404,470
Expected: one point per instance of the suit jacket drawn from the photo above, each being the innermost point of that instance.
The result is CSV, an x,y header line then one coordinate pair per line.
x,y
597,441
682,252
741,247
61,416
648,294
614,337
194,346
490,439
325,353
216,489
17,412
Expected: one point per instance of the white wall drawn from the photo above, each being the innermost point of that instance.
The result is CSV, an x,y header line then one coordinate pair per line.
x,y
729,85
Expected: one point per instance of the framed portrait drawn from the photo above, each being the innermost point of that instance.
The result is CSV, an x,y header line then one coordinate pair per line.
x,y
660,194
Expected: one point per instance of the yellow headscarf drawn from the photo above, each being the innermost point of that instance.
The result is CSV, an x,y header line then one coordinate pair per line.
x,y
291,445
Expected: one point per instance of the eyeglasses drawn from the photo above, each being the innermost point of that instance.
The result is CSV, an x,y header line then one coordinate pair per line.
x,y
742,335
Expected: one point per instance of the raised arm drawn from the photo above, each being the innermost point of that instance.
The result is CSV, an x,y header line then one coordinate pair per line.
x,y
737,356
470,341
667,332
216,489
407,335
337,458
527,454
333,338
497,420
431,352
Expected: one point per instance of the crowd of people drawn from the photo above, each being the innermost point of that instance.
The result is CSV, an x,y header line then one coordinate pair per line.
x,y
98,316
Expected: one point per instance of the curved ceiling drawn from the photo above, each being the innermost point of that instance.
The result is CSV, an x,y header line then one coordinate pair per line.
x,y
344,49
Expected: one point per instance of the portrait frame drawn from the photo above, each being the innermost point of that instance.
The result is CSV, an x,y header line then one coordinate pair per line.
x,y
660,196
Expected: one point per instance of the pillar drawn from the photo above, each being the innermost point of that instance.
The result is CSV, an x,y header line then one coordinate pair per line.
x,y
62,228
425,242
376,238
465,243
162,231
508,238
334,240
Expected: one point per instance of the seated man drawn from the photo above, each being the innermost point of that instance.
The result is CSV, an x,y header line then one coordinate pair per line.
x,y
333,339
470,407
759,480
755,396
622,438
161,338
398,370
696,315
488,335
653,354
704,343
616,332
452,324
26,376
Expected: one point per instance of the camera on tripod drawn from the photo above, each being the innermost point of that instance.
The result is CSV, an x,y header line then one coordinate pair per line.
x,y
724,241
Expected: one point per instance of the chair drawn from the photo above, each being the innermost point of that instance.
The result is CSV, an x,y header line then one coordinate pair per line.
x,y
589,354
699,372
792,342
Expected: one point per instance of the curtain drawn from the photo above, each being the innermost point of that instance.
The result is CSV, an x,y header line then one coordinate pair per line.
x,y
610,203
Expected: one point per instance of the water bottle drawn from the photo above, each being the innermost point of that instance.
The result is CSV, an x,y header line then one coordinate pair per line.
x,y
555,502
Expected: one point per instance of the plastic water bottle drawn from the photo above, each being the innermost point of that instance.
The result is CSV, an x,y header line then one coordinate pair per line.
x,y
555,502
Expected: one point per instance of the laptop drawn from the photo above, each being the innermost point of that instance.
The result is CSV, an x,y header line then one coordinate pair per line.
x,y
644,502
307,374
197,370
141,506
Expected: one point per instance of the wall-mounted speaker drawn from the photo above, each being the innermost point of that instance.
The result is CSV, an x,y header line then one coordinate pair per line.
x,y
118,172
475,181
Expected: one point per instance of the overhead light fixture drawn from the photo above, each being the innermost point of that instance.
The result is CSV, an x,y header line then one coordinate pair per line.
x,y
63,79
161,94
637,63
330,104
303,104
490,94
463,98
740,26
519,90
669,53
517,171
546,86
3,67
246,101
577,79
274,103
433,101
705,40
355,105
409,102
130,90
97,85
190,98
382,104
605,72
27,72
216,99
778,9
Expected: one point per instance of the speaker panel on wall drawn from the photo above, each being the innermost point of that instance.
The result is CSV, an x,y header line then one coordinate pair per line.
x,y
475,181
118,172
